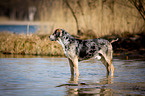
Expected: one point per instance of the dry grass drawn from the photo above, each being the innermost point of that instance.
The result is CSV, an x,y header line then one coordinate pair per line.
x,y
32,44
35,44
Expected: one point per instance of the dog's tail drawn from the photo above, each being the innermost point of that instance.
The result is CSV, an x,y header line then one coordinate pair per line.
x,y
114,40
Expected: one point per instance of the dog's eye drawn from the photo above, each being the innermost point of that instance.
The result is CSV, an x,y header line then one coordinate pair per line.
x,y
57,34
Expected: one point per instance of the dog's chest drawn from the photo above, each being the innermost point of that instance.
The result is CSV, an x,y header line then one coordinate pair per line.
x,y
69,47
63,46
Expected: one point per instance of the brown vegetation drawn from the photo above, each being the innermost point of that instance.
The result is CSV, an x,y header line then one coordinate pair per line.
x,y
129,45
33,44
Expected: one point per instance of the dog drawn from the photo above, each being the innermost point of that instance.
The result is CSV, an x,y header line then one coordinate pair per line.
x,y
77,50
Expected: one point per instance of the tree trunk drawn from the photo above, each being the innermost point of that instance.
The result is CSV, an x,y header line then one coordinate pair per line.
x,y
74,15
112,10
101,14
139,6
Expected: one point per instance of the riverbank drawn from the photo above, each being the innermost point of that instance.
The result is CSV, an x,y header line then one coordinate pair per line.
x,y
128,45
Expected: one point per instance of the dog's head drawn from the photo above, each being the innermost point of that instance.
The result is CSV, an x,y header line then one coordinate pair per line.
x,y
56,34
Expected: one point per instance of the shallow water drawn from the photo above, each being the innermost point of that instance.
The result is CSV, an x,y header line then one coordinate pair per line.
x,y
50,76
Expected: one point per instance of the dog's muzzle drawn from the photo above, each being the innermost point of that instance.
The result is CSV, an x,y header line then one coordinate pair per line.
x,y
52,38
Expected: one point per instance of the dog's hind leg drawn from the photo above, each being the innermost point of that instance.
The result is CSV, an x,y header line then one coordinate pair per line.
x,y
112,69
109,56
110,65
106,65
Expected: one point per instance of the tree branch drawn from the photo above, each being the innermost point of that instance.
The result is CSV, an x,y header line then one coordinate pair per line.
x,y
73,13
139,6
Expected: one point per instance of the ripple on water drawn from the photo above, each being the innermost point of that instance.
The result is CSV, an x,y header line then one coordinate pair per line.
x,y
41,76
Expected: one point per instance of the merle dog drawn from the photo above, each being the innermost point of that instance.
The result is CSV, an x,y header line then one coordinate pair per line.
x,y
78,50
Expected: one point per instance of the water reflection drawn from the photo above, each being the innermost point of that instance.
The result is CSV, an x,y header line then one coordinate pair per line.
x,y
73,88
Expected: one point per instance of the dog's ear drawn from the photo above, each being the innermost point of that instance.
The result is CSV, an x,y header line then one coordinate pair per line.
x,y
59,31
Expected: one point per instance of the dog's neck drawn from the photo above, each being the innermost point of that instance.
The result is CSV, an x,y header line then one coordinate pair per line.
x,y
64,40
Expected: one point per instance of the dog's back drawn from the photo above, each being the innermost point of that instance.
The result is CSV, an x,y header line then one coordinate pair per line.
x,y
86,49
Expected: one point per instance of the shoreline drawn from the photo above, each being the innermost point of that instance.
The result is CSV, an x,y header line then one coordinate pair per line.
x,y
131,46
132,55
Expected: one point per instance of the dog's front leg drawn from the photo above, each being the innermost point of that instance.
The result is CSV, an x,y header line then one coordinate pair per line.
x,y
71,67
75,62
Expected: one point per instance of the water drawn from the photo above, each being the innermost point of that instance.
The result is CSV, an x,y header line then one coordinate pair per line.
x,y
19,28
50,76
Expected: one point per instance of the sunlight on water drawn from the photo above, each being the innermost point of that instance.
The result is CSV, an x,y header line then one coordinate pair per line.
x,y
40,76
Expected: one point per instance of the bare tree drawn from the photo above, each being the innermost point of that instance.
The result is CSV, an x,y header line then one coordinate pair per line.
x,y
139,6
112,11
74,15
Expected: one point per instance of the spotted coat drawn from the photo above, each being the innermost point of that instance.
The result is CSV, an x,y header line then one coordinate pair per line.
x,y
78,50
83,49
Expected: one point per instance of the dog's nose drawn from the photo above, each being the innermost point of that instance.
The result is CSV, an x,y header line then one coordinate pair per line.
x,y
50,38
